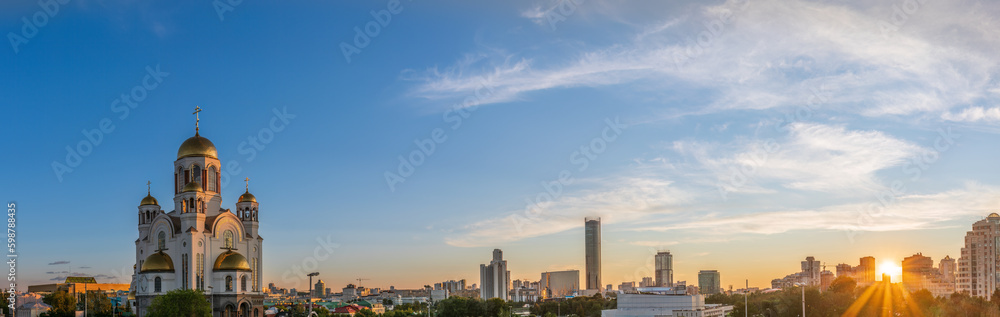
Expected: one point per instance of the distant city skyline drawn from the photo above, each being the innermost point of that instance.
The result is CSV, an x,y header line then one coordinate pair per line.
x,y
763,131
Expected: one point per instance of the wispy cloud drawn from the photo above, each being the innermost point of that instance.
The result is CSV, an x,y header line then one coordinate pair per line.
x,y
766,56
973,114
59,263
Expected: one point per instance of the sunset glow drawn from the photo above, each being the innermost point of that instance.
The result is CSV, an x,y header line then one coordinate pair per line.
x,y
889,267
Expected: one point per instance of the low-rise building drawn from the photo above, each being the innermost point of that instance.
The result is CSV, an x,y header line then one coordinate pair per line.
x,y
655,305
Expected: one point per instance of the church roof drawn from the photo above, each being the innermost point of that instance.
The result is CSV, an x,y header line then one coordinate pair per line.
x,y
157,262
197,146
231,261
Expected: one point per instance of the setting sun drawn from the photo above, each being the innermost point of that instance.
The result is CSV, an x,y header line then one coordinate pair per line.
x,y
892,269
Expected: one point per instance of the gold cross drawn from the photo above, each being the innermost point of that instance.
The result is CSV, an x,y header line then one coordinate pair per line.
x,y
197,109
248,184
147,187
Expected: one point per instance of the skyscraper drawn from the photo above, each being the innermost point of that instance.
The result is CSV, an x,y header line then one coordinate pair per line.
x,y
494,279
709,282
664,269
947,268
979,263
592,245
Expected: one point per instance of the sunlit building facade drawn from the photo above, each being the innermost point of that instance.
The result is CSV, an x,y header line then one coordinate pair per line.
x,y
664,269
494,279
978,265
592,247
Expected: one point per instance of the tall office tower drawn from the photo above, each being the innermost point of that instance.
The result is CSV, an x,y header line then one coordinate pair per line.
x,y
709,282
494,279
947,268
664,269
917,271
592,245
864,273
811,272
318,289
979,265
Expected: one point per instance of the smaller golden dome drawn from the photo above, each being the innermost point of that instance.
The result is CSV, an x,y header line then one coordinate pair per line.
x,y
993,215
193,186
247,197
157,262
197,146
148,200
231,261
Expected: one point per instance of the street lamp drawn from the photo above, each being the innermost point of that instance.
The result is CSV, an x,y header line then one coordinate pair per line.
x,y
803,286
211,296
311,291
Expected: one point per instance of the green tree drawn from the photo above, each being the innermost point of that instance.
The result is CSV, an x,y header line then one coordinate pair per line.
x,y
63,304
843,284
98,304
180,303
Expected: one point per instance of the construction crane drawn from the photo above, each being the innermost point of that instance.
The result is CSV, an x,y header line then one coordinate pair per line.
x,y
361,279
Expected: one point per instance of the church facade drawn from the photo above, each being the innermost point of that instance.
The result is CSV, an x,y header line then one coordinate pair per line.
x,y
199,245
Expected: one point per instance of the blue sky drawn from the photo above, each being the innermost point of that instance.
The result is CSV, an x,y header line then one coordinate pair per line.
x,y
741,135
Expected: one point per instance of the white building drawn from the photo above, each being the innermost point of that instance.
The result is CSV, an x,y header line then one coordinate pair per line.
x,y
495,278
647,305
199,245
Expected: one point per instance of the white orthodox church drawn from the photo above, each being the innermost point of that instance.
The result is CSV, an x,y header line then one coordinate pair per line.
x,y
199,245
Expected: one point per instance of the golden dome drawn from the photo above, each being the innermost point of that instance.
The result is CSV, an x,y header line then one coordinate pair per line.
x,y
193,186
157,262
993,215
197,146
247,197
148,200
231,261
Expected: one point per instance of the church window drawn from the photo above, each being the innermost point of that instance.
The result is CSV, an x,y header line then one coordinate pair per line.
x,y
227,239
200,270
196,172
157,285
229,283
161,241
243,283
184,283
211,180
254,272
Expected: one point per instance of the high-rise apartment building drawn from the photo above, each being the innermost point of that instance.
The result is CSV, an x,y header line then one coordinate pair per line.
x,y
918,270
865,273
494,279
647,282
811,272
592,246
979,265
664,269
709,282
947,268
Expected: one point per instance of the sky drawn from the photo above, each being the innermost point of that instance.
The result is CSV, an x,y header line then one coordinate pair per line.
x,y
409,139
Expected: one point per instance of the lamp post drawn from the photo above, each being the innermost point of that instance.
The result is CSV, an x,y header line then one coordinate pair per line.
x,y
803,287
311,291
211,296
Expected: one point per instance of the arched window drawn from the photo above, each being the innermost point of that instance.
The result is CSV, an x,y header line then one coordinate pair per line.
x,y
157,285
161,240
227,239
229,283
243,283
196,171
211,178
